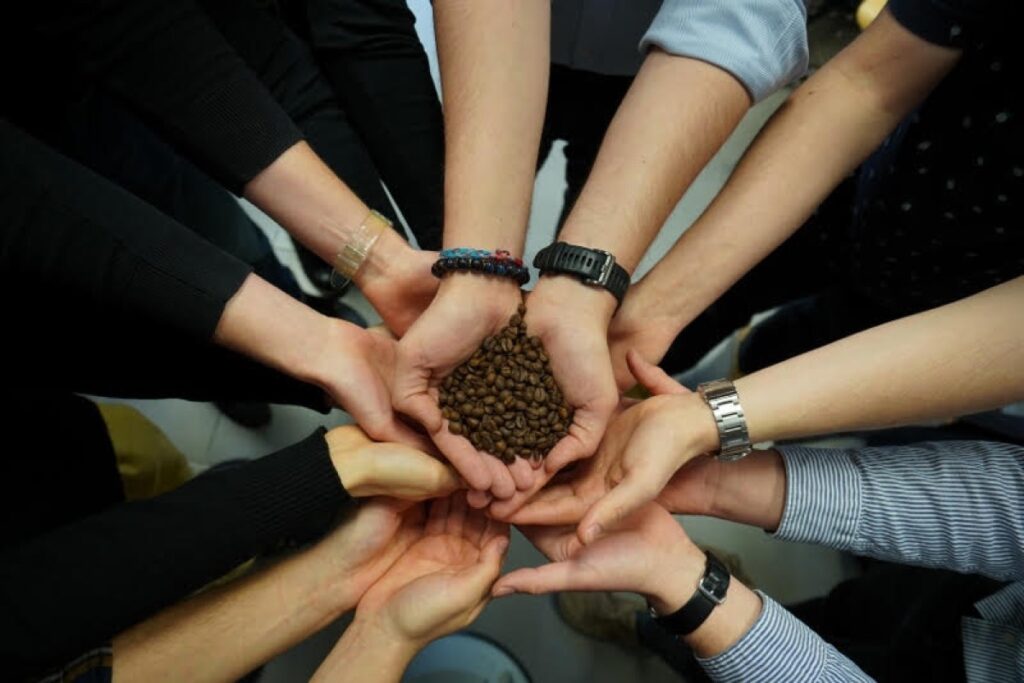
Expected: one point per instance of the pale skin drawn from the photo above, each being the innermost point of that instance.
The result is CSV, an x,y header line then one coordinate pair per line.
x,y
494,64
958,359
854,102
647,553
353,366
439,585
224,632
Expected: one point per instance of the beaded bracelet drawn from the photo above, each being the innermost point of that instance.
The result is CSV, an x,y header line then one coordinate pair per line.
x,y
500,263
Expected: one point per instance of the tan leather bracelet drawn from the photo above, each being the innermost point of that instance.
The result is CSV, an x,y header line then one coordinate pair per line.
x,y
355,252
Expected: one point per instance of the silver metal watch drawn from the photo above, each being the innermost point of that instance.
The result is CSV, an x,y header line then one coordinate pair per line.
x,y
734,440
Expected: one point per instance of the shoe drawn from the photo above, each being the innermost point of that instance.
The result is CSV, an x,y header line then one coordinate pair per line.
x,y
251,414
334,307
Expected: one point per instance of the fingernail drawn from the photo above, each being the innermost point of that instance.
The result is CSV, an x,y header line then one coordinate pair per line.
x,y
591,533
503,591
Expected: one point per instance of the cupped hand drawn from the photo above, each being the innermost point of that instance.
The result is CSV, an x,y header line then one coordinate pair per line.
x,y
634,328
369,468
571,320
441,582
355,367
397,282
644,446
468,308
647,553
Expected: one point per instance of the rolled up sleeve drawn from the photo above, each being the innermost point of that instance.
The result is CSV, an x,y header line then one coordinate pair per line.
x,y
762,43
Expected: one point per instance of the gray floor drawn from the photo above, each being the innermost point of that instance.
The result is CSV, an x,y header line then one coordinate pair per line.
x,y
526,625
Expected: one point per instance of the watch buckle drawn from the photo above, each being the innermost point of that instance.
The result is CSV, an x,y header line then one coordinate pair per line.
x,y
606,270
708,592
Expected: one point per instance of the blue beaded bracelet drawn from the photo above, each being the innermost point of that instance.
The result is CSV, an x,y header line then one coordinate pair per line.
x,y
500,263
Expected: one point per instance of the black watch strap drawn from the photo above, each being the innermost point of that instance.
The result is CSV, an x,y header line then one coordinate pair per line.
x,y
711,591
592,266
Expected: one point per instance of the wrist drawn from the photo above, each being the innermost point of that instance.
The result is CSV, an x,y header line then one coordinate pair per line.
x,y
389,250
564,295
678,580
750,491
376,632
697,422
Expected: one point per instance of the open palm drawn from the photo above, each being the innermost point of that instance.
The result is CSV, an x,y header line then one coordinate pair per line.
x,y
442,582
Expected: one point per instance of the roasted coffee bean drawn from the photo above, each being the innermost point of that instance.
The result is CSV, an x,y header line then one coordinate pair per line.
x,y
504,399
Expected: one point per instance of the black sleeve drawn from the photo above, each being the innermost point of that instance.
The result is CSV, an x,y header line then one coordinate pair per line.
x,y
169,61
952,23
80,585
110,251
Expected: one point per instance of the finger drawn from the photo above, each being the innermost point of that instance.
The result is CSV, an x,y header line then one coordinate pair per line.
x,y
456,516
567,508
492,530
466,459
421,407
389,428
479,577
631,493
654,379
437,518
502,485
478,499
502,509
568,450
589,425
522,474
549,578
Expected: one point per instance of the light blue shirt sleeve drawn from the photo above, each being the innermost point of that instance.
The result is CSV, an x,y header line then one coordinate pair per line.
x,y
955,504
763,43
780,647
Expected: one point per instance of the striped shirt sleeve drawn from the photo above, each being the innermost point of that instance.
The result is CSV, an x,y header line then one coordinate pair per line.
x,y
762,43
956,505
780,647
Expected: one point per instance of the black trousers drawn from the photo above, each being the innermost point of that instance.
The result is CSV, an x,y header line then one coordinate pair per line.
x,y
104,294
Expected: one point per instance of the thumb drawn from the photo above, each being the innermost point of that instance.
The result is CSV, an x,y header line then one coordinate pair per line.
x,y
654,379
567,575
604,515
479,577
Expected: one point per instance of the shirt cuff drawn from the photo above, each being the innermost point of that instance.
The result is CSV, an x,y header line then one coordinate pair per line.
x,y
778,647
823,497
762,44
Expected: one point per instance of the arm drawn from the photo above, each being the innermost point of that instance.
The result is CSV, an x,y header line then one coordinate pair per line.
x,y
224,632
78,585
854,101
181,73
748,637
921,504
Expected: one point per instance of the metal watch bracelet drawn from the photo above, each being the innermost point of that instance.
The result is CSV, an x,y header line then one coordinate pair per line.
x,y
724,401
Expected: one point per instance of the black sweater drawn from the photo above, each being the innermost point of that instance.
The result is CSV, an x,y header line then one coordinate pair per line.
x,y
79,585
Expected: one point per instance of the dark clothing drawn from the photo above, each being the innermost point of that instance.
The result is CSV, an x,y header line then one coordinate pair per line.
x,y
141,287
580,107
82,583
168,61
931,217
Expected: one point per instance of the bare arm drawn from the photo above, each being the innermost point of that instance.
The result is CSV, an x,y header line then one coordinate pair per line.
x,y
829,125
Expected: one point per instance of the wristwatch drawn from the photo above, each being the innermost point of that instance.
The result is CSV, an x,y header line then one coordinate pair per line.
x,y
591,266
711,591
733,438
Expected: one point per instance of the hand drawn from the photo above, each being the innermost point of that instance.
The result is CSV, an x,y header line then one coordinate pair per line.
x,y
443,581
368,469
572,321
643,448
749,491
636,328
648,553
468,308
396,279
361,548
355,368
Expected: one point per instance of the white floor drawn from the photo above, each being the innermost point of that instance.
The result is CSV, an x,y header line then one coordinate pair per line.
x,y
526,625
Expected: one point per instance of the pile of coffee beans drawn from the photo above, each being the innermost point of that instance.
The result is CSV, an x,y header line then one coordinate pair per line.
x,y
504,399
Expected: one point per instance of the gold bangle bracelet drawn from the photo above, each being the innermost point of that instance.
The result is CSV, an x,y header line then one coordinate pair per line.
x,y
355,252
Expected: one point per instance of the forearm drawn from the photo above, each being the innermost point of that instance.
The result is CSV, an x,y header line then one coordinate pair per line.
x,y
852,103
226,632
961,358
366,654
494,74
678,112
264,323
